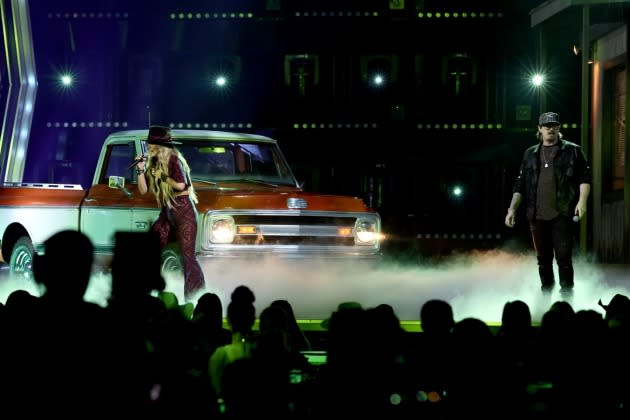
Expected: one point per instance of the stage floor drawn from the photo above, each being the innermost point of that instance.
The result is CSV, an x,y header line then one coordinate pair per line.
x,y
477,284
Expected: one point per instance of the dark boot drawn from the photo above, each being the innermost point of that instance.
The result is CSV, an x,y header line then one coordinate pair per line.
x,y
547,280
565,273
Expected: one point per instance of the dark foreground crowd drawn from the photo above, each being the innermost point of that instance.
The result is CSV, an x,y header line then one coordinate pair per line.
x,y
145,355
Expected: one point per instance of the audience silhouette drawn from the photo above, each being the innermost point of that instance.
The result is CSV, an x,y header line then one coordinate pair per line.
x,y
54,341
144,354
241,315
297,339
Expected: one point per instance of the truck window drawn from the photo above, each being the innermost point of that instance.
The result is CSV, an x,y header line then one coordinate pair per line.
x,y
117,158
243,160
208,159
261,160
221,160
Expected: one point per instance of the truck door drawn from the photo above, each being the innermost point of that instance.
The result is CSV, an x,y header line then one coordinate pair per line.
x,y
111,208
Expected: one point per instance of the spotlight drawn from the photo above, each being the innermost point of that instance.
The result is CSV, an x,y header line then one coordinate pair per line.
x,y
538,80
220,81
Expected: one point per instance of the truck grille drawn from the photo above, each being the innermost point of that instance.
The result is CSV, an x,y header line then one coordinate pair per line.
x,y
253,219
291,240
291,232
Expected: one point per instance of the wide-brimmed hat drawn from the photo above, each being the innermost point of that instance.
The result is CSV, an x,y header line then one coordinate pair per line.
x,y
618,305
161,136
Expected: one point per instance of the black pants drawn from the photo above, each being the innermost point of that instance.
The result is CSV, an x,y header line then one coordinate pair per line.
x,y
554,238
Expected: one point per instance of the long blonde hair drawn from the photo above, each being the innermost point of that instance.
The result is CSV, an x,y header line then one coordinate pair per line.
x,y
163,192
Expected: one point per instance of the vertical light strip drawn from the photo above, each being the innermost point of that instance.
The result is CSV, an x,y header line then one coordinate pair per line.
x,y
23,116
6,43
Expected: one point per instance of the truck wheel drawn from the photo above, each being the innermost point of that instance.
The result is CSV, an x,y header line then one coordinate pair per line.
x,y
21,262
172,261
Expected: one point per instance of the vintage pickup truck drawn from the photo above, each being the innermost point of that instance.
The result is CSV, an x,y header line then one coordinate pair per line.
x,y
250,204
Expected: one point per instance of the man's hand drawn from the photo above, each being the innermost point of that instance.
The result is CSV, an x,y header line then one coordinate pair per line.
x,y
580,209
510,218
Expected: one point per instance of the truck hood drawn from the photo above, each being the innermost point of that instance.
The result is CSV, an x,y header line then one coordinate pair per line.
x,y
245,196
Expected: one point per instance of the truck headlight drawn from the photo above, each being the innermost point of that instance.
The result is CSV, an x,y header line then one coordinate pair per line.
x,y
222,229
365,232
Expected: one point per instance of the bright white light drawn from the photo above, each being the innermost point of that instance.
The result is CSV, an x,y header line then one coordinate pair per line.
x,y
457,192
366,237
220,81
222,230
378,80
66,80
538,79
365,232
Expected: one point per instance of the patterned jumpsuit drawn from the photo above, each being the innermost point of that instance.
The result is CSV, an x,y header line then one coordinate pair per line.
x,y
179,223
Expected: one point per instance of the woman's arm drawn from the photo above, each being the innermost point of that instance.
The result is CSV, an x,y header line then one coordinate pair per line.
x,y
175,176
177,186
142,178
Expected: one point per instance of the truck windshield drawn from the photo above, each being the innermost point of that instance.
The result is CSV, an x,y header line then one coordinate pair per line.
x,y
235,161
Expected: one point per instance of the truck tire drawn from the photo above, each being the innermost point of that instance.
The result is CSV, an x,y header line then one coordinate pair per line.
x,y
21,262
172,264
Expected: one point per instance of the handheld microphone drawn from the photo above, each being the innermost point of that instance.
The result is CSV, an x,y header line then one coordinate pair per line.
x,y
136,161
576,218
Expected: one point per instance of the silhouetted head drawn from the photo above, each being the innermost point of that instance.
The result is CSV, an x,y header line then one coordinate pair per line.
x,y
65,266
19,300
297,338
285,305
516,317
243,293
241,312
563,307
436,317
342,307
618,306
385,316
209,308
274,319
470,329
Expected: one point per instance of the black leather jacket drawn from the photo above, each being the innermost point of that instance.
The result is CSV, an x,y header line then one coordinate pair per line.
x,y
570,168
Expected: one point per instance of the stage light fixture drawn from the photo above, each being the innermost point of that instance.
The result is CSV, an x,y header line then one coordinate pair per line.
x,y
225,70
459,72
538,80
302,72
379,70
220,81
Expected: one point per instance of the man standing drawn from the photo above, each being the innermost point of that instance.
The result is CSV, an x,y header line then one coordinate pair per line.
x,y
555,181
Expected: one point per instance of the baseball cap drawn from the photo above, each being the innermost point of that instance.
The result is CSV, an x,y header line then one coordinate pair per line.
x,y
548,118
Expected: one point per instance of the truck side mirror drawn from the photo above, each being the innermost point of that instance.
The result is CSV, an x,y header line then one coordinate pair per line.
x,y
118,183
